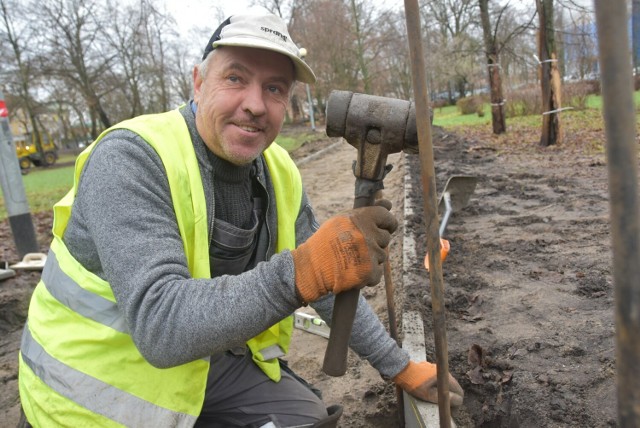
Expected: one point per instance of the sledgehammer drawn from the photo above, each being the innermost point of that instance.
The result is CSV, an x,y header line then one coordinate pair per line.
x,y
376,127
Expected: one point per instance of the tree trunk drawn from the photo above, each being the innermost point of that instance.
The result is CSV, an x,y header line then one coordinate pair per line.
x,y
493,67
497,100
35,133
97,112
635,34
461,86
296,109
360,48
94,122
549,76
103,116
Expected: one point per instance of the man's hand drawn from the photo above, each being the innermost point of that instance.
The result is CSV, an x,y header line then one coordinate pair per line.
x,y
420,380
348,251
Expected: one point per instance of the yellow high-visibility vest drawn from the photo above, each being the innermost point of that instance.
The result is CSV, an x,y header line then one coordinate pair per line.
x,y
78,363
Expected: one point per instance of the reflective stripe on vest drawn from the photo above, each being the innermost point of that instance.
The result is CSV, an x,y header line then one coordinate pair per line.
x,y
80,388
76,298
75,347
76,344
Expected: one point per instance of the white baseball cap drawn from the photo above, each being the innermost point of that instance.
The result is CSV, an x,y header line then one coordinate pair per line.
x,y
261,32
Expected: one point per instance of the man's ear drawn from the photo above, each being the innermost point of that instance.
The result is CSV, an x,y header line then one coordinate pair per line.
x,y
197,82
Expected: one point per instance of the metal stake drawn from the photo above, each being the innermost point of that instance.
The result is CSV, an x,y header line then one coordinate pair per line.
x,y
419,79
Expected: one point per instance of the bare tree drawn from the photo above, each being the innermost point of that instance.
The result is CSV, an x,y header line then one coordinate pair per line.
x,y
393,76
69,107
493,66
182,83
277,7
159,30
330,53
549,76
358,23
635,34
360,18
494,42
124,59
24,73
455,23
74,52
126,39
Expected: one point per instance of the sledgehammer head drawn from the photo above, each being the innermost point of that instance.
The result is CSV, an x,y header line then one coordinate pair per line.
x,y
375,126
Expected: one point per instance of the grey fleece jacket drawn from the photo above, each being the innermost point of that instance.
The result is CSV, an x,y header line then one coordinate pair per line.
x,y
123,229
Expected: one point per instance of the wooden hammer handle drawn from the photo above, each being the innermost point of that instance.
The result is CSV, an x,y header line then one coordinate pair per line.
x,y
344,313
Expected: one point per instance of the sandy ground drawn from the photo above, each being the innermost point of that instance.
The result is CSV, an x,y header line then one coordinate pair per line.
x,y
530,322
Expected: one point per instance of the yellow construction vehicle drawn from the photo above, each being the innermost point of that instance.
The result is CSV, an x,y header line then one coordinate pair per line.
x,y
27,151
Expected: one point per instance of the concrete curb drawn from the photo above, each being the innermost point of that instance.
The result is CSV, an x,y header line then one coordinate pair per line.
x,y
416,413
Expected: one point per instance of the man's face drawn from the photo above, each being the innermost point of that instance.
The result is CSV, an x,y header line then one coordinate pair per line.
x,y
241,101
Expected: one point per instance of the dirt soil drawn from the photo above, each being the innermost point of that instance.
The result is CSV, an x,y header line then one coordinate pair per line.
x,y
529,298
530,310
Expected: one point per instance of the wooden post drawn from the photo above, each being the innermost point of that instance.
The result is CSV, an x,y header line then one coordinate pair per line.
x,y
622,162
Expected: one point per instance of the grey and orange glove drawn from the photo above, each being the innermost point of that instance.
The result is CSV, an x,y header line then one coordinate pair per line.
x,y
348,251
420,380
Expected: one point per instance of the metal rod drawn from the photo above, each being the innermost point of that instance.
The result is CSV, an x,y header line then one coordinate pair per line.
x,y
447,213
390,291
15,198
622,157
389,288
419,79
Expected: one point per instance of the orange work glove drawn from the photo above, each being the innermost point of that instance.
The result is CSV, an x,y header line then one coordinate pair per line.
x,y
420,380
346,252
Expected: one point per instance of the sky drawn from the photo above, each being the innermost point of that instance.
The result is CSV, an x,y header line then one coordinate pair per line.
x,y
204,13
198,19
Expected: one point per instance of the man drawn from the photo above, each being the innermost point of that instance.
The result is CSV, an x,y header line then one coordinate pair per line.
x,y
181,253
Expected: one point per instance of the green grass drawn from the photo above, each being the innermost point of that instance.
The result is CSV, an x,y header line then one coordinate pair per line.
x,y
43,188
291,141
67,157
595,101
449,116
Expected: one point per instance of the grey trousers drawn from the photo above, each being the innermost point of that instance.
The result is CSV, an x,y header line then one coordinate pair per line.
x,y
239,394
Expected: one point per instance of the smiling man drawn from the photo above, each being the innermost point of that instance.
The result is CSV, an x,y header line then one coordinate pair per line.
x,y
181,253
242,99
